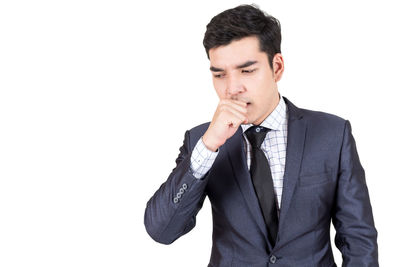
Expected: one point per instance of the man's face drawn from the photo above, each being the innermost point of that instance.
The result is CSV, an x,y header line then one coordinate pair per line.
x,y
241,72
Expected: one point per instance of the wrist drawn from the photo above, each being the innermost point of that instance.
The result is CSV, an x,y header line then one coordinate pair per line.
x,y
208,144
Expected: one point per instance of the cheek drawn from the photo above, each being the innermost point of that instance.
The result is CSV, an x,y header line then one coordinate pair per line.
x,y
263,79
264,85
255,87
257,80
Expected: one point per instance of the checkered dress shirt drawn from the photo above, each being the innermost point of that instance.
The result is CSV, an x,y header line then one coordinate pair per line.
x,y
274,147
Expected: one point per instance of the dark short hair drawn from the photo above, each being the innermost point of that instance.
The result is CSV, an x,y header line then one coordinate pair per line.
x,y
243,21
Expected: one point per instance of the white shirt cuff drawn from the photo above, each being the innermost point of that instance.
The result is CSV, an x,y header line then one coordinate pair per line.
x,y
202,159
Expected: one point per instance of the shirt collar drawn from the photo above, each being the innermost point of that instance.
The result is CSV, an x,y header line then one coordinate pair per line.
x,y
275,120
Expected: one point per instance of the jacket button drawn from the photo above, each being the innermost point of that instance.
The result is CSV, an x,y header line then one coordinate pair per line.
x,y
272,259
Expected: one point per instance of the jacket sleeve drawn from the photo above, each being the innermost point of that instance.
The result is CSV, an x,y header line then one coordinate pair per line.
x,y
356,236
171,211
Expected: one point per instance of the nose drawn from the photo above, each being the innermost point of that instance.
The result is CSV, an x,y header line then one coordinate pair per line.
x,y
234,86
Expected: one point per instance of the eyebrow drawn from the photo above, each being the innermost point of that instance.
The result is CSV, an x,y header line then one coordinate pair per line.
x,y
241,66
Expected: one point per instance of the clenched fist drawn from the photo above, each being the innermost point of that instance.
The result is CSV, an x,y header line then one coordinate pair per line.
x,y
229,115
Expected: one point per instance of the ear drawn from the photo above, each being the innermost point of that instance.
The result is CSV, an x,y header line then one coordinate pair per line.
x,y
279,66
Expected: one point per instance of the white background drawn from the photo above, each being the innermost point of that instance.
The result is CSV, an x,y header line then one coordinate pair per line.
x,y
95,97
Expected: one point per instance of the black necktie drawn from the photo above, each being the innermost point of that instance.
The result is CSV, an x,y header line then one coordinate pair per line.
x,y
262,180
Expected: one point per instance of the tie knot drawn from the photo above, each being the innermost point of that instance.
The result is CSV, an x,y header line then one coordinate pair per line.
x,y
256,135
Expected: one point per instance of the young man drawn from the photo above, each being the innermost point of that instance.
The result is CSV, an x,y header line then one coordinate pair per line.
x,y
275,174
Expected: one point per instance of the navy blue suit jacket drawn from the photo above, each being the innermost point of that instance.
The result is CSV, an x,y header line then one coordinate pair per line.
x,y
323,181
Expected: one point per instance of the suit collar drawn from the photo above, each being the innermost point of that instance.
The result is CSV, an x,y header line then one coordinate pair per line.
x,y
297,130
294,112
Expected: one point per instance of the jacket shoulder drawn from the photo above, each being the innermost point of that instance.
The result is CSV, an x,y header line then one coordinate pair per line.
x,y
200,128
315,115
197,132
324,123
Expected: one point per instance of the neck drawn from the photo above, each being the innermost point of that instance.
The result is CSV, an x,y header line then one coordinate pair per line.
x,y
274,104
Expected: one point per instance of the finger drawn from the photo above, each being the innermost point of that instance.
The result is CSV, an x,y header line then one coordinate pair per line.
x,y
234,122
239,102
237,105
235,117
238,114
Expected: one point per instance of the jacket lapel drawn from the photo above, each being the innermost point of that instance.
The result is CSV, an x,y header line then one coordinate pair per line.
x,y
294,153
238,161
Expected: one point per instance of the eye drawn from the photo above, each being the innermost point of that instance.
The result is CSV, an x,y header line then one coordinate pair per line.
x,y
219,75
248,71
